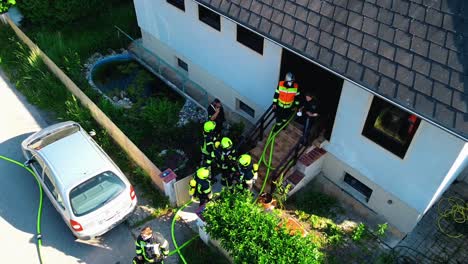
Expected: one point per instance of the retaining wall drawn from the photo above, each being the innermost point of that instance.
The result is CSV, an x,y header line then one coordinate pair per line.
x,y
101,118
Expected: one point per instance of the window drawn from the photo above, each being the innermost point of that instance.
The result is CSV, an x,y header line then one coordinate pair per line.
x,y
52,189
244,107
95,192
358,186
209,17
390,127
250,39
37,167
182,64
177,3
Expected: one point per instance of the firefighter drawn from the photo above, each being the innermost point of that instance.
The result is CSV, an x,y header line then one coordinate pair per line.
x,y
150,247
246,171
200,186
224,155
203,185
285,99
209,139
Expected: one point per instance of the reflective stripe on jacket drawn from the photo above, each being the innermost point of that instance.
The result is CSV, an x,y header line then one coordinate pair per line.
x,y
284,96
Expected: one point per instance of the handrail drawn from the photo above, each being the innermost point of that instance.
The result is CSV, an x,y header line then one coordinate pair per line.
x,y
161,62
286,164
263,122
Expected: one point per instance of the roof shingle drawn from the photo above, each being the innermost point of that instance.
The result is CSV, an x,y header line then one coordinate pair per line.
x,y
414,52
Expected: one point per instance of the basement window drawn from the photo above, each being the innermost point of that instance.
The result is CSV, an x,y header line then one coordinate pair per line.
x,y
358,186
250,39
209,17
182,64
390,126
247,109
177,3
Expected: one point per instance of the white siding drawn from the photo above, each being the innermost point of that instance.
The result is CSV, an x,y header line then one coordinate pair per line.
x,y
252,75
432,161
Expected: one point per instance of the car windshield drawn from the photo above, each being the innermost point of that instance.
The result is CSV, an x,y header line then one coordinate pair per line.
x,y
95,192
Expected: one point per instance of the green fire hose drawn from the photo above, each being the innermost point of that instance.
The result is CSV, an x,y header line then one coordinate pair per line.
x,y
39,215
39,209
271,143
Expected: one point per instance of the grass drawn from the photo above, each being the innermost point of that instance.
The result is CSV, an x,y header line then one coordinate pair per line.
x,y
313,202
32,78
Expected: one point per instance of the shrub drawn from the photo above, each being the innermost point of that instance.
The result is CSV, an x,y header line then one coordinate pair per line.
x,y
252,236
6,4
160,116
46,12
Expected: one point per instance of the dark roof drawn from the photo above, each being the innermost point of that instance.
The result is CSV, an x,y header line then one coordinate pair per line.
x,y
413,52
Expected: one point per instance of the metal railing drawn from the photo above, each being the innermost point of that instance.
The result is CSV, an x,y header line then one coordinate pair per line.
x,y
258,131
174,77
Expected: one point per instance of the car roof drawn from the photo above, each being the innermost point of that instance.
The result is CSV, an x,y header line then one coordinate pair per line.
x,y
74,159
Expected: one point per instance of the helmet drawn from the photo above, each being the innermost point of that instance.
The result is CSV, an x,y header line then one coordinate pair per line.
x,y
209,126
245,160
226,143
289,77
203,173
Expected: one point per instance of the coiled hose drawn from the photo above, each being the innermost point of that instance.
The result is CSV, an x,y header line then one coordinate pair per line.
x,y
457,212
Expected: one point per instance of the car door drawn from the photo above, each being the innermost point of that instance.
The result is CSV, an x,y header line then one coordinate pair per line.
x,y
54,193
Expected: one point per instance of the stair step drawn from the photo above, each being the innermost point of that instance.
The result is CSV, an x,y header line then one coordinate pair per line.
x,y
295,177
310,157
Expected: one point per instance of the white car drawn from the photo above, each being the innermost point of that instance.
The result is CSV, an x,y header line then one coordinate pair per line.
x,y
85,186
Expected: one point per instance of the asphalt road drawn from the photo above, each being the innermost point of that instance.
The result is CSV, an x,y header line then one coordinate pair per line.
x,y
19,202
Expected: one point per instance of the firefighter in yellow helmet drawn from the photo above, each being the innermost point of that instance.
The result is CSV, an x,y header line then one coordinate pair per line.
x,y
246,171
225,157
200,186
209,139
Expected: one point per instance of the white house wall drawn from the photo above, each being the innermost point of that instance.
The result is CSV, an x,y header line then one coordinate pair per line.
x,y
216,61
429,166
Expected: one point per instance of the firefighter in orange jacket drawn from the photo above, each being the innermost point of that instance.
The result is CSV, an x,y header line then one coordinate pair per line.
x,y
285,99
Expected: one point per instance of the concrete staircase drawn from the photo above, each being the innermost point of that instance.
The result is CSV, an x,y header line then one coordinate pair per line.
x,y
284,141
307,167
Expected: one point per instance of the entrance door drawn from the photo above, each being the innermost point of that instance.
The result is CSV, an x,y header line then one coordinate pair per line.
x,y
323,84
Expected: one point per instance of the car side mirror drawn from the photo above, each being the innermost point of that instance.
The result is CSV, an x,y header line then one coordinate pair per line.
x,y
29,162
92,133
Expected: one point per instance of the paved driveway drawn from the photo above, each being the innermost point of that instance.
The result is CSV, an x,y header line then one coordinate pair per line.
x,y
19,201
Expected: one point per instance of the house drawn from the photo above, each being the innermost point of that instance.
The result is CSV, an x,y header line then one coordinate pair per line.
x,y
391,75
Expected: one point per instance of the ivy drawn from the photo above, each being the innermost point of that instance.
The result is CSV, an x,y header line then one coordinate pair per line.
x,y
252,236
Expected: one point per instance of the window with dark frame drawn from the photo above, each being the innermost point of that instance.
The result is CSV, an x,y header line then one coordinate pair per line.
x,y
390,127
182,64
209,17
250,39
177,3
247,109
358,186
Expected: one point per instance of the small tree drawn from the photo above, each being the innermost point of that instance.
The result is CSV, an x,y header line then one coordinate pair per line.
x,y
252,236
5,5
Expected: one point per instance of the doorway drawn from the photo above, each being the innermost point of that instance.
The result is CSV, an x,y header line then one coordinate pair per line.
x,y
321,83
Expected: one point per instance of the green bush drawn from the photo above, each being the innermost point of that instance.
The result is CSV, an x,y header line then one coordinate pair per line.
x,y
46,12
6,4
160,116
252,236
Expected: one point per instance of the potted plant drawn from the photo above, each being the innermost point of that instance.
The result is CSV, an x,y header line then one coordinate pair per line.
x,y
267,201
